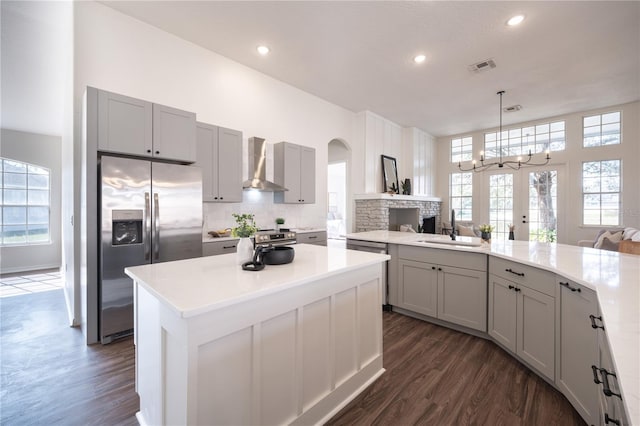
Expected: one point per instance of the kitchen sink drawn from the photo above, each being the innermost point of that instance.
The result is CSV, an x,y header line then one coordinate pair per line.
x,y
459,241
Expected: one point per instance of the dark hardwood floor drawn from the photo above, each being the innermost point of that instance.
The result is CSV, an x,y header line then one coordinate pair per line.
x,y
49,376
435,376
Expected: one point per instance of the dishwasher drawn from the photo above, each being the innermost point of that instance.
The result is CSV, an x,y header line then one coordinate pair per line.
x,y
374,247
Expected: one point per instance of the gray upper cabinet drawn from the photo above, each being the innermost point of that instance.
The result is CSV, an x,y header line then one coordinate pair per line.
x,y
132,126
174,134
124,124
219,154
295,169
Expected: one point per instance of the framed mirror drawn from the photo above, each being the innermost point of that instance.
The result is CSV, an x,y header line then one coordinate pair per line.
x,y
389,175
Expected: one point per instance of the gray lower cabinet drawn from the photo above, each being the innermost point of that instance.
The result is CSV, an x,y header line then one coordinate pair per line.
x,y
317,238
441,289
219,155
215,248
522,313
132,126
577,311
295,169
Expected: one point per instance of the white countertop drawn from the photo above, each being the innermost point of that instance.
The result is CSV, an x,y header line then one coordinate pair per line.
x,y
614,276
195,286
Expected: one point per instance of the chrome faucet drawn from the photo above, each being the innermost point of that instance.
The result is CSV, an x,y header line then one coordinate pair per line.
x,y
453,225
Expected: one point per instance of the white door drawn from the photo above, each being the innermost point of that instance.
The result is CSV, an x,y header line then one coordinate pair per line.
x,y
526,199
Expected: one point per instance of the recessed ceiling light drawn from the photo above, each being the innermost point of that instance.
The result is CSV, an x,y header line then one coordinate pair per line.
x,y
263,50
516,20
418,59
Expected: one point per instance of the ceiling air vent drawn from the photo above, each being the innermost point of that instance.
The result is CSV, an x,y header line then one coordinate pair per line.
x,y
512,108
482,66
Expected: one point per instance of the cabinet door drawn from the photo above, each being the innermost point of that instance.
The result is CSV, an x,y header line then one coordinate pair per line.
x,y
229,165
578,349
418,291
174,134
536,330
502,312
206,145
124,124
292,173
462,297
307,175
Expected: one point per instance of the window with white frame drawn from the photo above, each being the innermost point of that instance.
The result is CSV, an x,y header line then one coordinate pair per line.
x,y
461,149
501,204
601,192
461,194
524,140
601,129
24,203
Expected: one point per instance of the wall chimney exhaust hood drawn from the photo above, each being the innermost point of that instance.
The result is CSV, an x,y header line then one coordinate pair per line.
x,y
257,168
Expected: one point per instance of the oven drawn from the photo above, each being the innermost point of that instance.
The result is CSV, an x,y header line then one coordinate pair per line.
x,y
274,238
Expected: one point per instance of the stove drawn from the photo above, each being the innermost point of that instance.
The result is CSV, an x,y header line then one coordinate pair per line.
x,y
265,237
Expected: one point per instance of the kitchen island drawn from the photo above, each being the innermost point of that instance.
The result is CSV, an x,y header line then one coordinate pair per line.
x,y
613,278
289,344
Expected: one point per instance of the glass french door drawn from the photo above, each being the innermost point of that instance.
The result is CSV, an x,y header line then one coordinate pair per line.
x,y
526,201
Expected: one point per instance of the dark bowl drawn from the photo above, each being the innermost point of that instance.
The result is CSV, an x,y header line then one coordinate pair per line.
x,y
279,255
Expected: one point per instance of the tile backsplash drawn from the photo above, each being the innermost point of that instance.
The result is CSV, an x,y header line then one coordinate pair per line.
x,y
218,215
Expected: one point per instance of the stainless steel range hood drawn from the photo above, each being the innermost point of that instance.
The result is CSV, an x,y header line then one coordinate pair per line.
x,y
258,168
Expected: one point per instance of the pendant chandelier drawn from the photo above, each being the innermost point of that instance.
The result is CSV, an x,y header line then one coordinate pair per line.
x,y
500,163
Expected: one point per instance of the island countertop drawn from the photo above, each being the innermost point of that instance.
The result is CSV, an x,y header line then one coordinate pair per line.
x,y
195,286
614,276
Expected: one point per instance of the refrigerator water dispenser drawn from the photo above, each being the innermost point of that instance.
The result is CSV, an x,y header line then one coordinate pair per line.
x,y
127,227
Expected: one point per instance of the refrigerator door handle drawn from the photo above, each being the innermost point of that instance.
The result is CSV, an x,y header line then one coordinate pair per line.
x,y
156,227
147,227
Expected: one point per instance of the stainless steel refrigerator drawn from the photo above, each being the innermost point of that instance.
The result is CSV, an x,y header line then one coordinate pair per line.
x,y
149,212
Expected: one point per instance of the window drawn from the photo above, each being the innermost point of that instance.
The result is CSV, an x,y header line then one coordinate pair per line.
x,y
25,203
601,192
521,141
599,130
461,194
461,149
501,204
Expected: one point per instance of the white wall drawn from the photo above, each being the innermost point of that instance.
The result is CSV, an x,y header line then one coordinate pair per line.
x,y
420,156
43,151
570,162
120,54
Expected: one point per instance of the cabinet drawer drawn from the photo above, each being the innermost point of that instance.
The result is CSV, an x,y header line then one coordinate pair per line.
x,y
475,261
534,278
319,238
215,248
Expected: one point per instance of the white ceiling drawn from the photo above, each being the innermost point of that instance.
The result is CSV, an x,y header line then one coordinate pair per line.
x,y
565,57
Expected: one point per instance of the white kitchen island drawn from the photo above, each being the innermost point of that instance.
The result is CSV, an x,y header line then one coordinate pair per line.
x,y
291,344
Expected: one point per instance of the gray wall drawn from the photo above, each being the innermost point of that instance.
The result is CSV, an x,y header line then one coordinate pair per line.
x,y
41,150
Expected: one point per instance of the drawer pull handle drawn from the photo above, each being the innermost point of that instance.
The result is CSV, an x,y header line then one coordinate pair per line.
x,y
520,274
313,238
228,247
571,288
518,289
608,420
593,321
606,389
511,287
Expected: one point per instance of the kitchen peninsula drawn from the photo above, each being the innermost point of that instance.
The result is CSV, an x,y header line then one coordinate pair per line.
x,y
290,344
571,314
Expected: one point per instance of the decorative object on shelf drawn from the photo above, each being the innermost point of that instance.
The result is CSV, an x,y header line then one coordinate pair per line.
x,y
279,223
406,186
512,235
512,164
389,175
245,229
486,232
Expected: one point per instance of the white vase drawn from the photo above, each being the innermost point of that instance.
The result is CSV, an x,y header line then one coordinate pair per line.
x,y
244,252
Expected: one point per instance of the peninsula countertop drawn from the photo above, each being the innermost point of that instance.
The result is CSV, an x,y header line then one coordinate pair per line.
x,y
614,276
195,286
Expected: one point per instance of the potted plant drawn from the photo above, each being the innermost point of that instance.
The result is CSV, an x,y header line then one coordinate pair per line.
x,y
245,228
486,229
279,222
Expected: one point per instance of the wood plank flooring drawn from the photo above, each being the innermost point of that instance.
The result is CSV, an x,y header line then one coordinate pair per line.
x,y
435,376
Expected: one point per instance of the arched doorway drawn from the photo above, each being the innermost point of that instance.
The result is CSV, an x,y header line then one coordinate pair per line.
x,y
338,212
